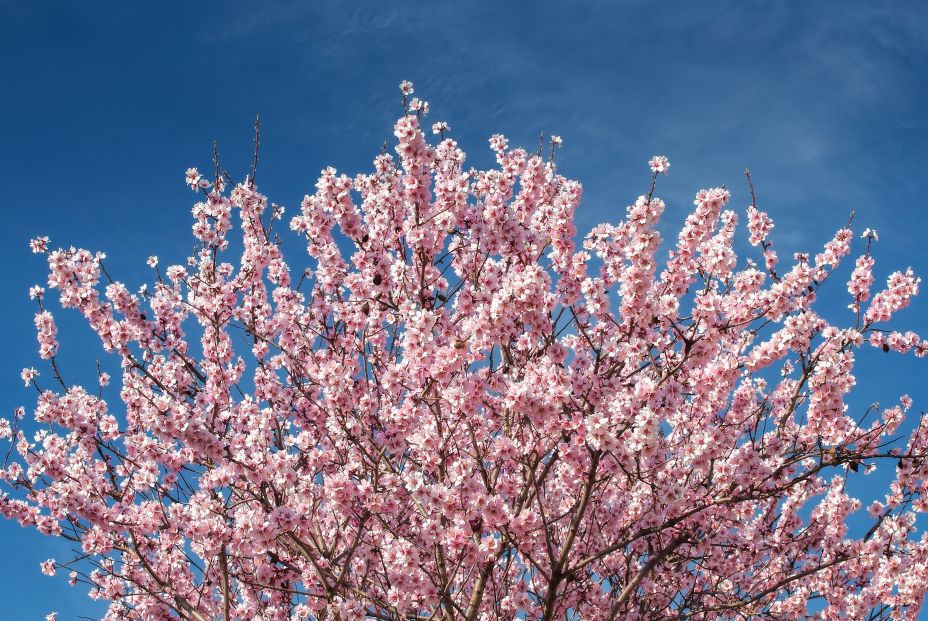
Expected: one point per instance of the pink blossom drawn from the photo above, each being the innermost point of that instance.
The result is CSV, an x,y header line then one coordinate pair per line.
x,y
498,143
28,375
759,225
417,105
39,244
195,180
861,280
449,408
659,164
47,334
900,288
48,567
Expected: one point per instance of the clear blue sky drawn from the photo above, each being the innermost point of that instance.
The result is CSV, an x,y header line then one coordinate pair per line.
x,y
105,104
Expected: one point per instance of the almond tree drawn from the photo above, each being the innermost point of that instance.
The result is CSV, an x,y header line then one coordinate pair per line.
x,y
455,413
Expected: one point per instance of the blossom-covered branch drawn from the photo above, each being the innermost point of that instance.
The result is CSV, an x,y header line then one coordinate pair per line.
x,y
453,412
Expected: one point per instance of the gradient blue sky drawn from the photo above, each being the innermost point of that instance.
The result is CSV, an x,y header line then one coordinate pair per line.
x,y
105,105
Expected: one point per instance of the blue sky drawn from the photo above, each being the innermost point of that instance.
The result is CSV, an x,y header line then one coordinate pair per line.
x,y
106,104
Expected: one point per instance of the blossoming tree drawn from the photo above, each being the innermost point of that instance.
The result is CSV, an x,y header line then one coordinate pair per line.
x,y
455,413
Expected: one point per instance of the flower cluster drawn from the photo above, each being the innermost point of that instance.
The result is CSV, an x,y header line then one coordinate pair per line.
x,y
453,412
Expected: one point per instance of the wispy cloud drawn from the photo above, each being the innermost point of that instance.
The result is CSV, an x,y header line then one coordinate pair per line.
x,y
798,92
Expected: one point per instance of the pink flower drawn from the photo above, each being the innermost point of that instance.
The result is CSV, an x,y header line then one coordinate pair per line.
x,y
48,567
406,88
417,105
759,225
659,164
47,334
52,616
39,244
558,141
901,287
440,127
195,180
861,280
36,292
28,375
152,261
498,143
